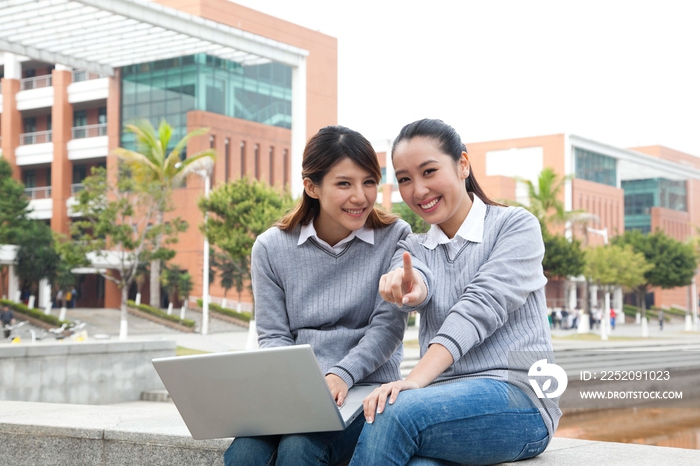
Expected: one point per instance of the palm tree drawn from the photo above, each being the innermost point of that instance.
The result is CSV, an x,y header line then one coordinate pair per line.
x,y
152,163
545,198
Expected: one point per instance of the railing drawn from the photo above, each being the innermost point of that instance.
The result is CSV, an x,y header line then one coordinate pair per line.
x,y
37,137
36,82
76,188
82,75
89,131
43,192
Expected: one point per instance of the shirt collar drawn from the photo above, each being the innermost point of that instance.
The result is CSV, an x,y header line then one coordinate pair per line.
x,y
308,231
472,228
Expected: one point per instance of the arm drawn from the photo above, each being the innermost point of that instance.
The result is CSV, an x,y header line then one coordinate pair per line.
x,y
432,364
503,282
383,336
271,317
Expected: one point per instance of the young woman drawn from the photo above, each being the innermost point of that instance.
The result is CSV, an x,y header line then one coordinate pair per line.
x,y
476,278
315,276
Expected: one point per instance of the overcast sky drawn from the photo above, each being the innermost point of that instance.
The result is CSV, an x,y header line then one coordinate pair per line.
x,y
625,73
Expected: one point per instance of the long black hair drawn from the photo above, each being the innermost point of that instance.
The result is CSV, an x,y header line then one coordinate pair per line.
x,y
448,142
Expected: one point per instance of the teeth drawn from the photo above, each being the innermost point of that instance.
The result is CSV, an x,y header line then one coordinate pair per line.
x,y
354,212
429,205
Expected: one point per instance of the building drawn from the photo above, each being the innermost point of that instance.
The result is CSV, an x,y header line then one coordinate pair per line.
x,y
645,188
74,72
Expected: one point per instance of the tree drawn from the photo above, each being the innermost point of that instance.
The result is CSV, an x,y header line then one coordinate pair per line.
x,y
177,282
418,225
673,263
71,255
36,257
562,258
616,265
151,163
237,213
232,273
13,213
545,198
117,226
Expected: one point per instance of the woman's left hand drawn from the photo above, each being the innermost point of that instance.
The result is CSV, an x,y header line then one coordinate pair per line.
x,y
376,401
338,387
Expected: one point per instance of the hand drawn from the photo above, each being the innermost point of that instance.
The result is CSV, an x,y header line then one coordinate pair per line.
x,y
403,285
376,401
338,387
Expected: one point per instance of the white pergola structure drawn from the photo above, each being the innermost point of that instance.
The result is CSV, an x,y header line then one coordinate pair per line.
x,y
102,35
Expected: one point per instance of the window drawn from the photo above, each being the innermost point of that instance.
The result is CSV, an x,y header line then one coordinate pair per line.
x,y
102,115
227,161
79,118
595,167
243,167
285,167
256,161
30,179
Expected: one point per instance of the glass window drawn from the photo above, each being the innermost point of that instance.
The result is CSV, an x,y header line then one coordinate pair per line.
x,y
595,167
79,118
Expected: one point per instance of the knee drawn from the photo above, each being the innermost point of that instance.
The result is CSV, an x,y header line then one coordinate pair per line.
x,y
301,446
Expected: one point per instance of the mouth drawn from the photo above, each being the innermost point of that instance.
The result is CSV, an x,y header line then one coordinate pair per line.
x,y
430,205
355,212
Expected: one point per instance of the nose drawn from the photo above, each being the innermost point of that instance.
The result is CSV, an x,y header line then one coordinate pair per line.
x,y
358,195
420,189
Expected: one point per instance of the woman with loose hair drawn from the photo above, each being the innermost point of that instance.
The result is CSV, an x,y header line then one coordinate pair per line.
x,y
476,278
315,277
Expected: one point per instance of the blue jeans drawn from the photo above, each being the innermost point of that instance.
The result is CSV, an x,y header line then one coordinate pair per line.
x,y
318,448
473,421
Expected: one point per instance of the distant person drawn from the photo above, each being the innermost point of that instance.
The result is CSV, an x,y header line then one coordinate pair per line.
x,y
315,276
73,297
476,278
661,319
574,320
613,314
6,318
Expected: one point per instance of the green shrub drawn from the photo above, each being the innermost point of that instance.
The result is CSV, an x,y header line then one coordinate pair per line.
x,y
35,313
161,314
244,316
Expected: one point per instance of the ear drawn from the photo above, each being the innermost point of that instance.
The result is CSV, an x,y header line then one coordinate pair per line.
x,y
464,166
310,188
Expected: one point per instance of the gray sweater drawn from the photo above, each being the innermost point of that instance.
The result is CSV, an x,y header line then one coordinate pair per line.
x,y
487,306
306,294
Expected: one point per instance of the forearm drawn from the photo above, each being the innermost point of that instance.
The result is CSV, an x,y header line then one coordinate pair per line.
x,y
435,361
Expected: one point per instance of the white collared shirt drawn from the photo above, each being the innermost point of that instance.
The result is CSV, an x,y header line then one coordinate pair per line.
x,y
472,229
308,231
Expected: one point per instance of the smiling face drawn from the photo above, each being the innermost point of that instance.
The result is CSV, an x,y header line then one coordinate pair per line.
x,y
432,183
346,194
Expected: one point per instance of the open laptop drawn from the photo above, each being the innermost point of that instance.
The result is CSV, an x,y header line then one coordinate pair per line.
x,y
259,392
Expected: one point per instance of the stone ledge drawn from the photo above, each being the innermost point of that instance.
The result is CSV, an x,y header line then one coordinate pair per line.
x,y
154,434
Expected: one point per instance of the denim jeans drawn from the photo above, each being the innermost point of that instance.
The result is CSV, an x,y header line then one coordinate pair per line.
x,y
472,421
318,448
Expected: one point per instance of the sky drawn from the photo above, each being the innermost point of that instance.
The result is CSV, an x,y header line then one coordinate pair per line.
x,y
624,73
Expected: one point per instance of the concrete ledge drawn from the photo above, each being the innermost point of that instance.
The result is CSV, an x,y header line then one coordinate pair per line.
x,y
154,434
49,433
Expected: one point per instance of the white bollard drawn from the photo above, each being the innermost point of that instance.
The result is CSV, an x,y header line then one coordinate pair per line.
x,y
584,323
182,313
688,323
18,296
638,318
138,299
252,341
30,304
645,327
62,315
223,303
47,309
170,308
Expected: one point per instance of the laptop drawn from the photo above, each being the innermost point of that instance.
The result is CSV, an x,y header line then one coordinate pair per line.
x,y
259,392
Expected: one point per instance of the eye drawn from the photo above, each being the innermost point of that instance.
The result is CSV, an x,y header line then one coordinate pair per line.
x,y
370,182
343,183
403,179
429,171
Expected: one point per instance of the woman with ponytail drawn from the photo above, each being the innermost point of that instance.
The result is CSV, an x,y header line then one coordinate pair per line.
x,y
315,277
476,278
